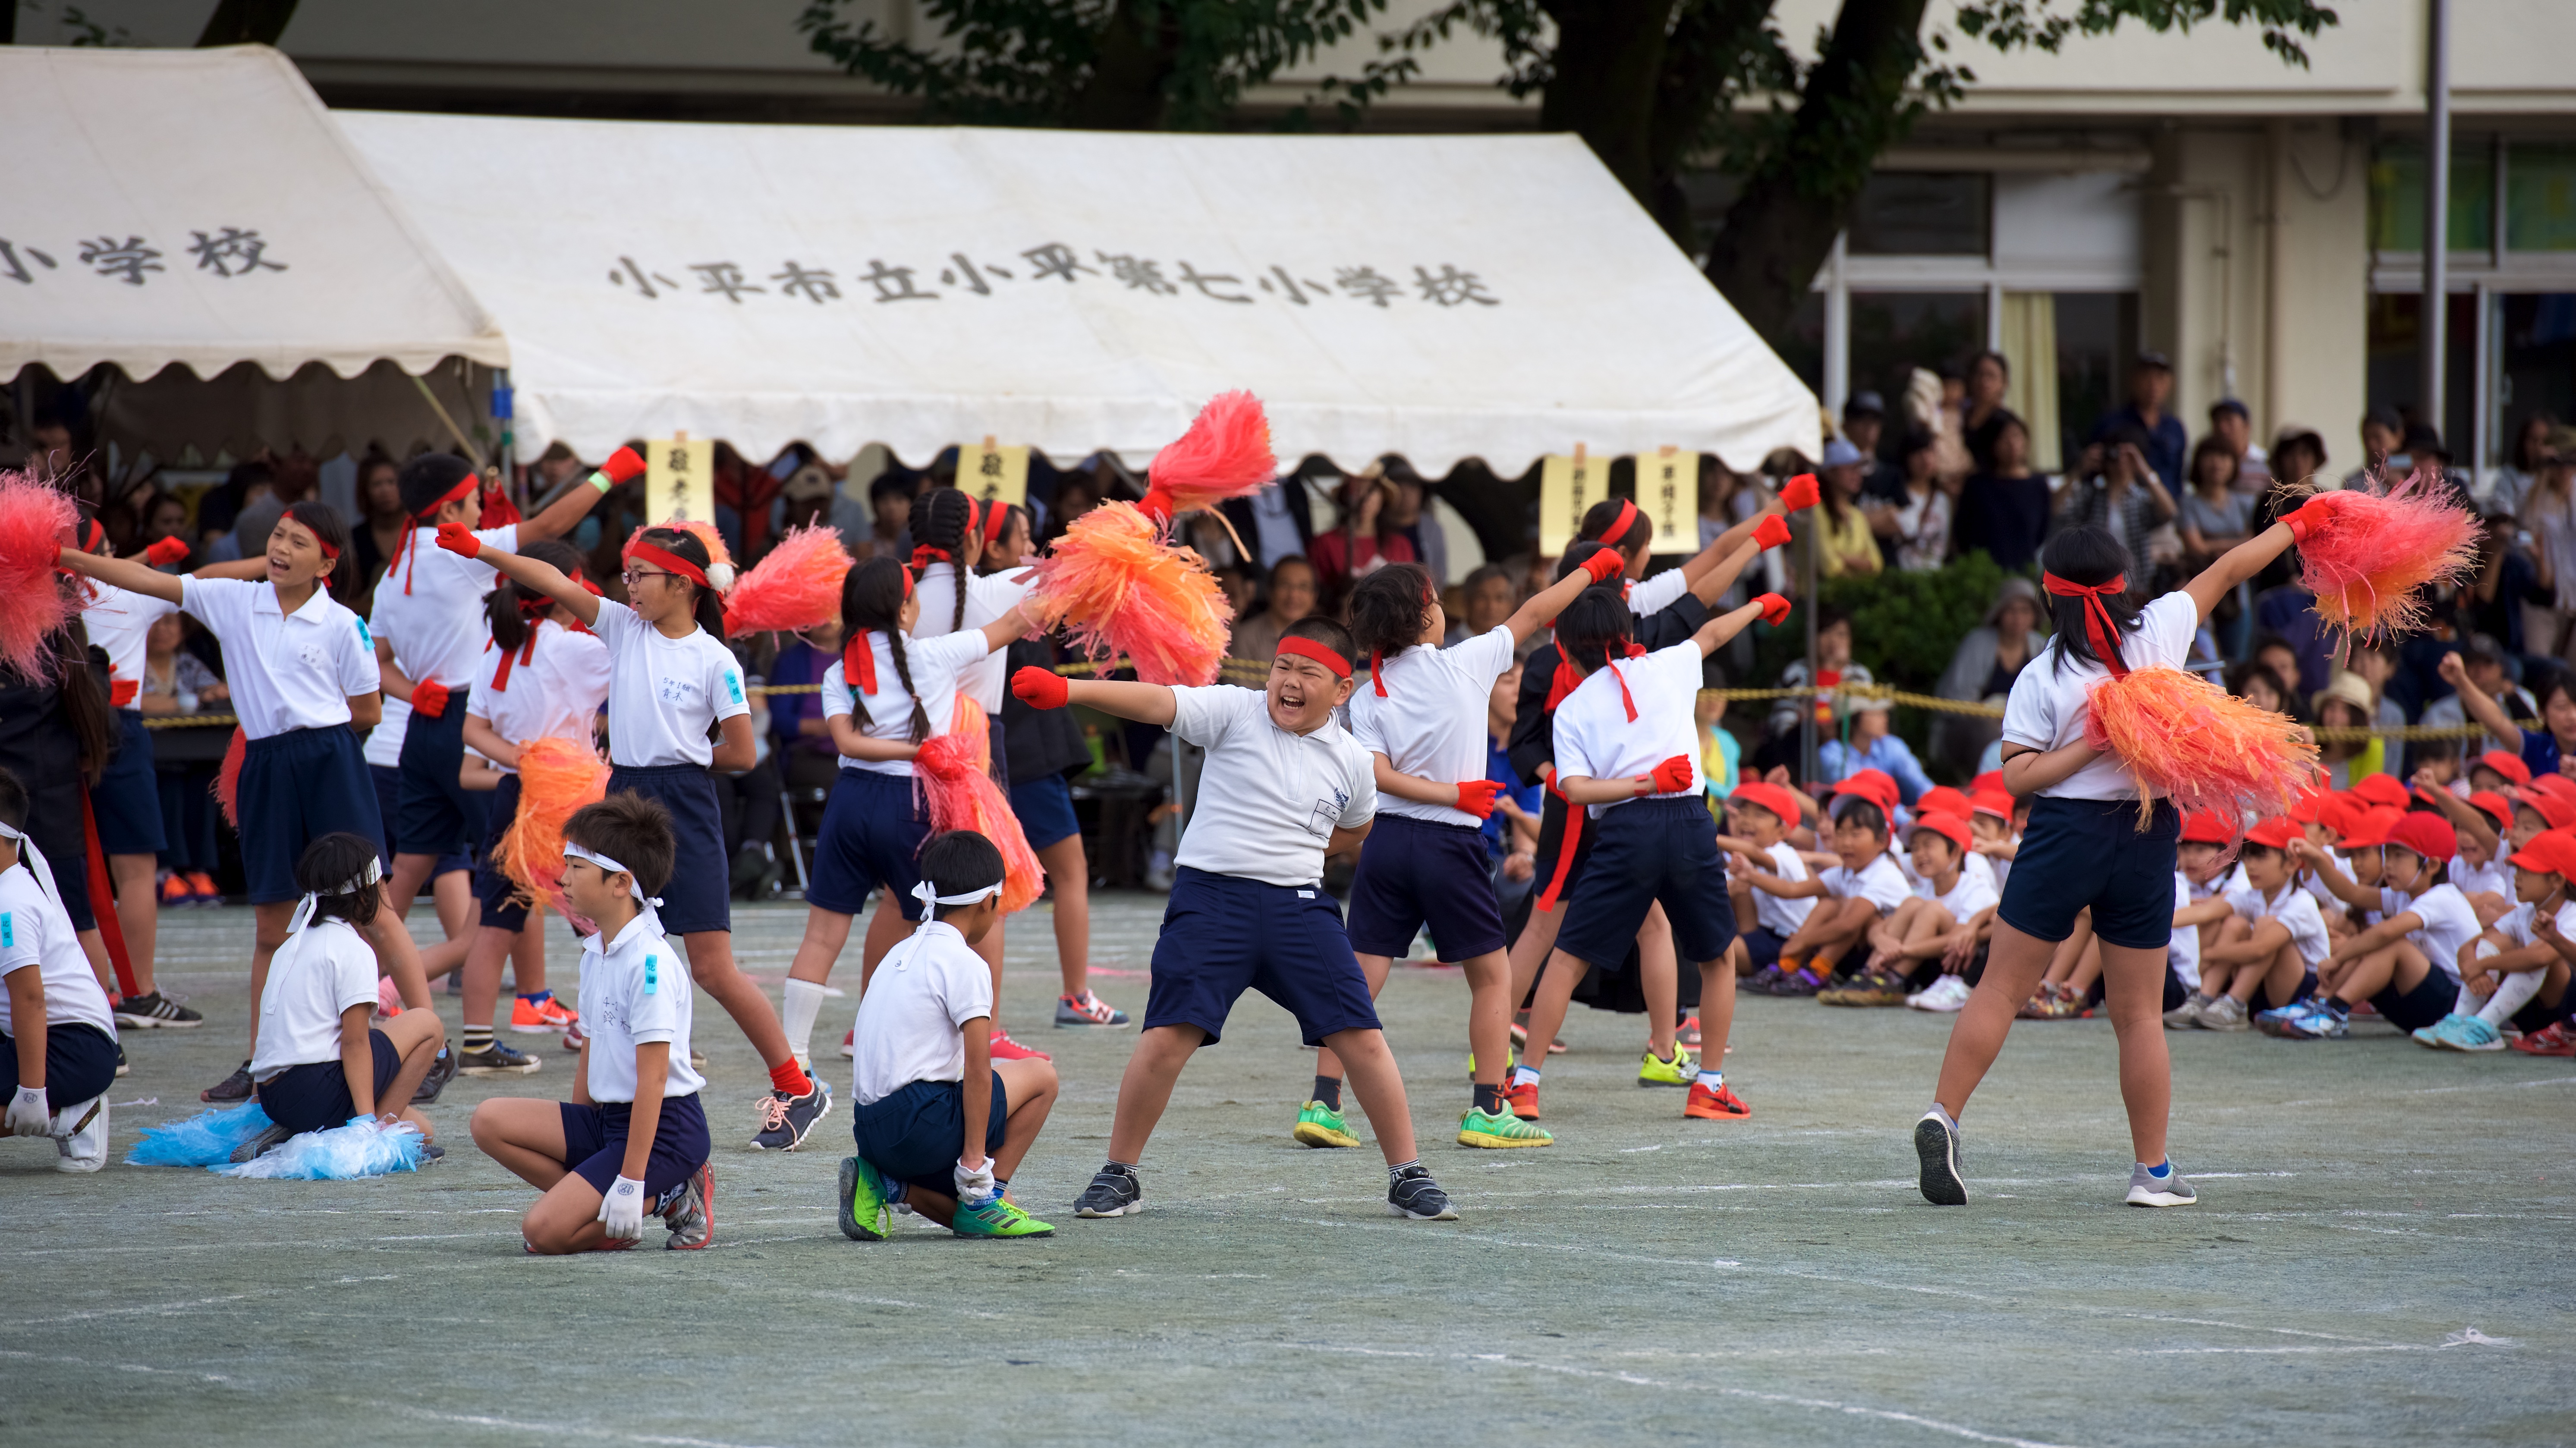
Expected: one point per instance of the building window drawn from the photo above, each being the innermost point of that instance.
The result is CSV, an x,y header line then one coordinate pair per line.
x,y
2540,199
2395,333
2397,196
2097,335
1923,213
1892,333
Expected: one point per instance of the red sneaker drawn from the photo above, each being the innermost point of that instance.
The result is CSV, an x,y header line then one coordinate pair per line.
x,y
574,1040
850,1044
1523,1097
1006,1049
2556,1040
1721,1104
531,1018
1688,1035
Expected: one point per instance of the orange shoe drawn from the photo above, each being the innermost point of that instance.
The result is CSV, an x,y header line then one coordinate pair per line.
x,y
1006,1049
543,1017
204,886
1523,1097
175,892
1721,1104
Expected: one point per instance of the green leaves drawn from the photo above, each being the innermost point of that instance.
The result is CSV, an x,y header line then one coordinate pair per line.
x,y
2045,24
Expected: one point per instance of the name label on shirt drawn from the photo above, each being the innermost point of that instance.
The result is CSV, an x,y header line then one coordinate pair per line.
x,y
678,691
8,929
652,974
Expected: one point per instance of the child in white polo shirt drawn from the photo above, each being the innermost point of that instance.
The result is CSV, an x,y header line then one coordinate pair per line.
x,y
941,1126
1763,814
1855,895
634,1136
1283,786
1940,924
57,1036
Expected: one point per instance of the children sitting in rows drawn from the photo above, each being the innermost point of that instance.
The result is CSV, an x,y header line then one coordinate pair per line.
x,y
1762,815
2267,953
1941,924
2517,966
1862,889
2407,963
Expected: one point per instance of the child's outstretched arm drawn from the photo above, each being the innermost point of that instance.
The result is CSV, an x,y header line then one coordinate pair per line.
x,y
2465,817
2342,886
1736,620
544,577
131,574
2243,561
1718,560
1550,601
1145,703
1391,780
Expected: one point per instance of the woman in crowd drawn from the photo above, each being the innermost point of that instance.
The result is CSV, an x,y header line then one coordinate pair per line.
x,y
1292,597
2004,509
1983,667
1918,527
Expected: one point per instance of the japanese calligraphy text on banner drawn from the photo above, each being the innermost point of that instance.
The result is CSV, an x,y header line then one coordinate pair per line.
x,y
1566,487
680,480
1668,493
993,474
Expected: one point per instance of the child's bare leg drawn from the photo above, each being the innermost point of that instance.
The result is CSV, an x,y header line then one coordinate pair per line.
x,y
1028,1094
711,965
525,1135
886,929
2088,968
394,951
1376,968
268,931
1851,920
1380,1089
1146,1088
528,955
566,1219
1741,959
416,1037
1547,1008
2014,964
2401,965
491,945
1659,980
1716,1010
2134,991
1530,951
1489,1014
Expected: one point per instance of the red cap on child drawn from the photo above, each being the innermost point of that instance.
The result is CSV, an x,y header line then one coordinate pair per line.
x,y
1949,826
2368,829
1771,797
2556,809
2508,764
2207,827
2379,790
1942,799
2496,806
2557,784
2552,852
1874,785
1991,779
2427,834
2274,833
1994,802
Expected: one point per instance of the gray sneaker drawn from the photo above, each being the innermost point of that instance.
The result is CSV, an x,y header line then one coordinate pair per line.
x,y
2226,1013
2186,1016
1114,1192
1936,1142
261,1145
2146,1191
692,1214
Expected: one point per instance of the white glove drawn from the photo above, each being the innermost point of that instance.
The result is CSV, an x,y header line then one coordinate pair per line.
x,y
622,1210
973,1187
28,1115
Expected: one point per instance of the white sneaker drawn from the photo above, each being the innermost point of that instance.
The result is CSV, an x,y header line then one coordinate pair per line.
x,y
2146,1191
1949,993
80,1134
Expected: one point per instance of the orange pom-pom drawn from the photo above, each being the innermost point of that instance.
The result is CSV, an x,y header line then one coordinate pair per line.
x,y
955,773
796,587
35,522
1225,454
2185,739
556,777
1119,589
2368,557
227,786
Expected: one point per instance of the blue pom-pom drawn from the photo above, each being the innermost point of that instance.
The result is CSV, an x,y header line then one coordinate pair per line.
x,y
205,1139
343,1153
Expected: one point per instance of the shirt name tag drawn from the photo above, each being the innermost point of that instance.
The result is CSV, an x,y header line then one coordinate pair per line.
x,y
652,974
8,929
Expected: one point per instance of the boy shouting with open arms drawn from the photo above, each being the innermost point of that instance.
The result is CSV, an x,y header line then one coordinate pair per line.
x,y
1284,785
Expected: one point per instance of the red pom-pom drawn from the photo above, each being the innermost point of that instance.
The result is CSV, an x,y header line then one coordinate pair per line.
x,y
2185,739
2367,557
1225,454
556,778
1119,589
954,772
227,787
34,521
796,587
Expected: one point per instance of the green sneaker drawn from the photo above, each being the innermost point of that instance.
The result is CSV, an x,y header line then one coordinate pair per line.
x,y
864,1212
1681,1070
1499,1129
997,1218
1320,1125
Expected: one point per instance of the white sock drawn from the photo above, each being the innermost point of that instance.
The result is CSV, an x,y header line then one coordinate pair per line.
x,y
2518,988
1524,1075
1713,1080
804,1002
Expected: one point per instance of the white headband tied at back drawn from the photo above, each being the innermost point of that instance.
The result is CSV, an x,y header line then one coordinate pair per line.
x,y
36,864
305,907
634,886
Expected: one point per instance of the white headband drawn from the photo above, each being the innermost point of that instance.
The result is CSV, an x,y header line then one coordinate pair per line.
x,y
928,894
36,864
634,886
304,908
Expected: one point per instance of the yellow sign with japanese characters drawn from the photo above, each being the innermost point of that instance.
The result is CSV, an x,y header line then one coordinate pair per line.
x,y
1566,487
680,479
1668,493
990,474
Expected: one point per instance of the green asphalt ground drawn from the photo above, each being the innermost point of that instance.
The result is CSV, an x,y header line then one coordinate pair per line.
x,y
2381,1256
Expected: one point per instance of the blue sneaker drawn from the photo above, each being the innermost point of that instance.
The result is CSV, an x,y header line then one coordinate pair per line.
x,y
2462,1033
2277,1020
2317,1024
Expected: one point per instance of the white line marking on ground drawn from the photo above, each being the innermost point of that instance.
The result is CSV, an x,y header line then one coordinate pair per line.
x,y
120,1367
513,1425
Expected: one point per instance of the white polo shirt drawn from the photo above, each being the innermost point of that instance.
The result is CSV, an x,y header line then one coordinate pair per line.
x,y
635,991
928,986
321,971
1965,898
2183,950
2495,877
2450,922
34,931
385,741
664,693
2048,706
988,597
429,605
120,623
554,694
2516,923
285,672
1595,738
1431,724
1267,800
2296,909
1654,595
1777,914
940,666
1879,882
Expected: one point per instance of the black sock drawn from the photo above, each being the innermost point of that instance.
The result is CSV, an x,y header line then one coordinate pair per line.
x,y
477,1038
1489,1099
1328,1089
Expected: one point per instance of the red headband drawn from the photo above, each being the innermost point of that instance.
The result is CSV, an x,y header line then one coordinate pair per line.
x,y
672,561
411,541
1619,528
1308,648
329,553
994,520
467,484
2098,623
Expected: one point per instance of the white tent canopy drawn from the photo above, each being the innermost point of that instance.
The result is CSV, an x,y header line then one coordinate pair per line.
x,y
1444,297
199,207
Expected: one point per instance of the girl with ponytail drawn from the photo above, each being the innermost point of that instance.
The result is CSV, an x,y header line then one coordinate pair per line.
x,y
887,696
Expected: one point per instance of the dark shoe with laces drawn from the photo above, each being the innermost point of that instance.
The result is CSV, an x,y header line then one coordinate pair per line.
x,y
155,1011
441,1071
496,1059
233,1088
1414,1194
1114,1192
785,1120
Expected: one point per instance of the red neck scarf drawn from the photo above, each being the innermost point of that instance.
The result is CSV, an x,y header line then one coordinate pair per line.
x,y
923,554
1567,681
2099,626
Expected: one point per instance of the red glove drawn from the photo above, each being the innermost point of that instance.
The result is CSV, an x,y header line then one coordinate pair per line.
x,y
1041,688
1771,532
1476,796
621,465
1799,492
1604,565
2319,511
429,697
166,550
1774,608
458,539
1673,775
1157,504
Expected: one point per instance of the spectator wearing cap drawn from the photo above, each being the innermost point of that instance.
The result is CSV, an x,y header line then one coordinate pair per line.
x,y
1869,746
1846,544
2164,442
2483,660
1865,427
2383,440
2003,506
2345,703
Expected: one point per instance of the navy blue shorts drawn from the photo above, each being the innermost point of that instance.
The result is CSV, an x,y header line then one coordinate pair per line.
x,y
1414,872
1645,851
1045,808
297,787
493,889
2413,1010
388,782
430,815
697,896
595,1145
127,799
917,1134
2080,852
80,1062
315,1096
1762,945
872,833
1224,934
